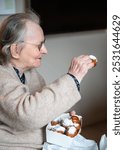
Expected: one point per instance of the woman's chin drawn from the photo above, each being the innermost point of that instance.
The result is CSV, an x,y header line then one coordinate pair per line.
x,y
37,65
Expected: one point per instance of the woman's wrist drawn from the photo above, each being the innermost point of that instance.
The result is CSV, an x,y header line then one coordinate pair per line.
x,y
76,81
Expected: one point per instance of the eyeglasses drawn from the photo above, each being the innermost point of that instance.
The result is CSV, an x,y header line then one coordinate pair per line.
x,y
39,46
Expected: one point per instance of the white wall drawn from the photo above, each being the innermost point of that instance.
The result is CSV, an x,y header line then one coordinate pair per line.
x,y
61,49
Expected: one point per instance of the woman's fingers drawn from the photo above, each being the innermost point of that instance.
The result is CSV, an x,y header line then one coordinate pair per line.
x,y
80,66
73,113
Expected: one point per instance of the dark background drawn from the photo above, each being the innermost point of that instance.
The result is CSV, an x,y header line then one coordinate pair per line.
x,y
60,16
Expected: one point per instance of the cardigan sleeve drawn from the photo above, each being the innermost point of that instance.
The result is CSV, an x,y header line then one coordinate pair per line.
x,y
21,110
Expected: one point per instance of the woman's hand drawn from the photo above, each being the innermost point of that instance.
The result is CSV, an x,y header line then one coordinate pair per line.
x,y
73,113
80,66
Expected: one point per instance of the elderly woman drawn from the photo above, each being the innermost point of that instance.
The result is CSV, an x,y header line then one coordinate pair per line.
x,y
27,104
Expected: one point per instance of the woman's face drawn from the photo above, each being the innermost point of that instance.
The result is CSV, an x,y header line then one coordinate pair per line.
x,y
34,49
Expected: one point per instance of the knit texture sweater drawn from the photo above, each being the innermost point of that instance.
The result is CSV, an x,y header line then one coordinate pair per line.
x,y
25,109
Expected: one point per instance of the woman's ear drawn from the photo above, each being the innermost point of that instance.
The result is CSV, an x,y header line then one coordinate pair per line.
x,y
14,51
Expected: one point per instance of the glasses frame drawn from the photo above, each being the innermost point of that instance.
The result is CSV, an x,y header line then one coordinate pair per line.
x,y
39,46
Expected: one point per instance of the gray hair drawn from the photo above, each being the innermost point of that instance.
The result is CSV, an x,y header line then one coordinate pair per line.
x,y
12,30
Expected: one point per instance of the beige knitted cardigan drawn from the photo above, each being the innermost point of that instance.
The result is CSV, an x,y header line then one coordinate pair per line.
x,y
25,110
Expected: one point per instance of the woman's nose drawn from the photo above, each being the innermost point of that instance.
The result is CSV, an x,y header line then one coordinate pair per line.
x,y
44,49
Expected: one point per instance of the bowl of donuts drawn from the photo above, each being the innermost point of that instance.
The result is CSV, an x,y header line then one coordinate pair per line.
x,y
61,130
